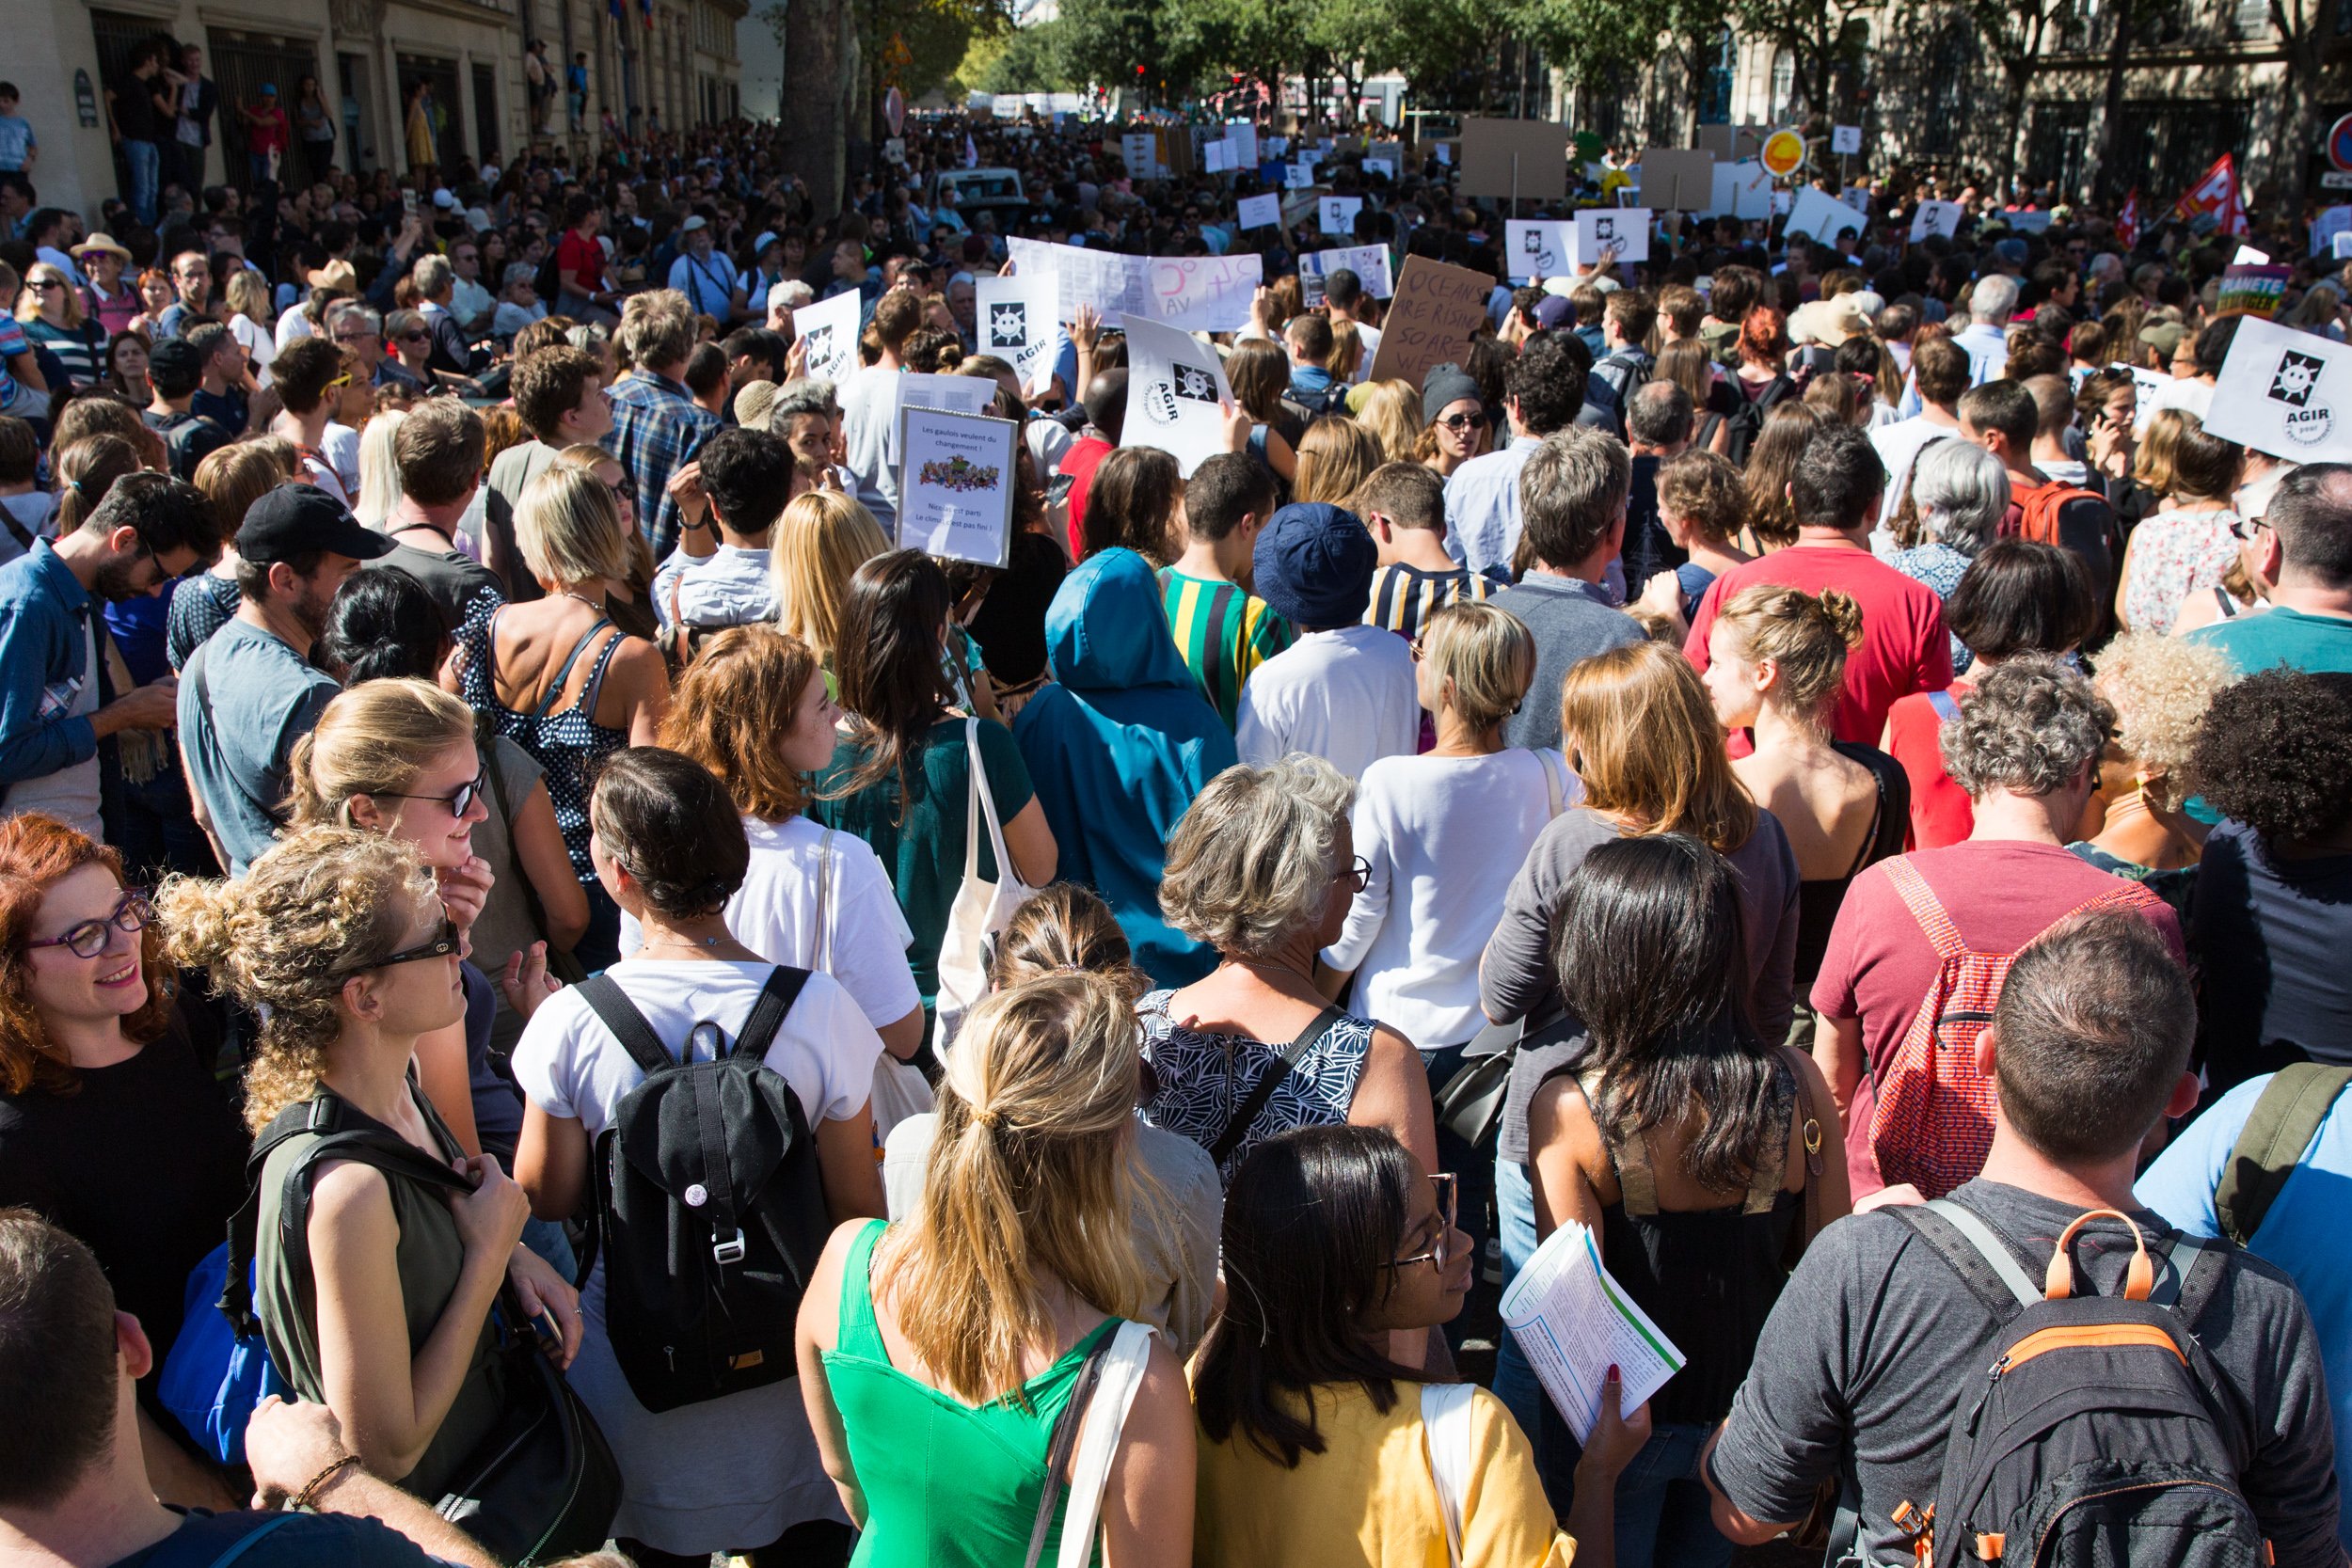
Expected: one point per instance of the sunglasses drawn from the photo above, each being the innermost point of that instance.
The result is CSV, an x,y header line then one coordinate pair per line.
x,y
45,284
338,382
416,336
1448,1188
445,945
459,801
1460,423
89,938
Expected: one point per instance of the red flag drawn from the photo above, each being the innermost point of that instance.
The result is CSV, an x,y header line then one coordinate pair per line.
x,y
2127,221
2217,194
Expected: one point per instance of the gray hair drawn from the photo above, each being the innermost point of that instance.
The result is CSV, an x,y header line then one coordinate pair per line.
x,y
807,394
351,310
431,274
1962,491
521,272
402,320
1252,860
1993,299
2031,725
792,294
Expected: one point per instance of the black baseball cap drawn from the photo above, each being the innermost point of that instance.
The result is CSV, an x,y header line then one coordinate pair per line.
x,y
296,518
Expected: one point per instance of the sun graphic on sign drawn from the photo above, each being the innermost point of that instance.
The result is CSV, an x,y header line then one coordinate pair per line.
x,y
1008,321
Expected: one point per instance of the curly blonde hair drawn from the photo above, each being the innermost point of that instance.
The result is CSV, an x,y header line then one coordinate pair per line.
x,y
2160,687
316,908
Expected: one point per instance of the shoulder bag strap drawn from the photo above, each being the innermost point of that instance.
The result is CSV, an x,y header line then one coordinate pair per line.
x,y
1445,1428
823,959
1934,923
2285,1117
1058,1446
1947,706
976,779
1100,1427
629,1026
1269,1080
775,1000
1809,1129
1982,1260
987,799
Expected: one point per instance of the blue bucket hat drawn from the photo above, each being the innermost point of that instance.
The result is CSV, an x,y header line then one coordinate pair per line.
x,y
1314,565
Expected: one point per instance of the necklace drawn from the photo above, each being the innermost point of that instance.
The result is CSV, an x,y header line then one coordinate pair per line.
x,y
688,944
597,605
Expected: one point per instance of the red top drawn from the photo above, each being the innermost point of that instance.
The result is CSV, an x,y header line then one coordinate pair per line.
x,y
575,253
1085,456
1941,812
1904,646
266,133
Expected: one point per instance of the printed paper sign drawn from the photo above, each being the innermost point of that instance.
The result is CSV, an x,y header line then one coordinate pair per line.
x,y
1856,198
2249,256
1538,247
1437,311
1369,263
1844,138
1217,158
1298,176
829,328
1140,149
1017,318
2029,220
2342,243
1259,211
1742,190
2252,291
1380,166
961,394
2284,393
2146,384
1624,230
1204,294
1176,394
1336,214
1242,137
956,477
1445,153
1822,217
1940,219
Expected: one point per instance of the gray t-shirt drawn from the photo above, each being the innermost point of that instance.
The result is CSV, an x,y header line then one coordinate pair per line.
x,y
1572,620
246,697
1875,1340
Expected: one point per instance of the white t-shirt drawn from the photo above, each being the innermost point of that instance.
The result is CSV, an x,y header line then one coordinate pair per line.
x,y
292,326
774,914
341,446
1444,836
260,347
869,430
1346,696
1369,338
1898,446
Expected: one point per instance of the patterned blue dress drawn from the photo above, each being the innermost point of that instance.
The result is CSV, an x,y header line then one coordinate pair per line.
x,y
566,745
1200,1079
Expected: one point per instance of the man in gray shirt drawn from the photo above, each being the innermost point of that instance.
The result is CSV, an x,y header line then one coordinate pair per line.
x,y
1572,499
1876,1341
250,692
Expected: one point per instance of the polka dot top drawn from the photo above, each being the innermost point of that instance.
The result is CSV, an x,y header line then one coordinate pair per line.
x,y
1200,1079
563,744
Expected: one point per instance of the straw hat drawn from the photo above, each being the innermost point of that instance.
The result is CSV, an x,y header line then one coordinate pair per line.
x,y
106,243
337,273
752,403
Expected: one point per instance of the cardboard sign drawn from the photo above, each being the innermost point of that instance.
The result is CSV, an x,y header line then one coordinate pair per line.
x,y
1622,229
1204,294
1437,311
1844,138
1822,217
1743,191
1017,318
1176,394
1259,212
1141,150
1539,248
1678,180
2284,392
1940,219
956,477
1526,158
1731,143
1369,263
2252,291
1336,214
829,328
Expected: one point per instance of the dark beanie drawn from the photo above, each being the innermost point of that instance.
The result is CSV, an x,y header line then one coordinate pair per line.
x,y
1314,565
1446,383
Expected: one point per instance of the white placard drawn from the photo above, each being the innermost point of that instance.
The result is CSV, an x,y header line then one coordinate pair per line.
x,y
2330,222
1277,147
2342,243
1381,165
2249,256
1336,214
1821,216
2028,221
1259,212
1538,247
1941,218
829,328
1856,198
1241,137
1598,228
1369,263
1298,176
959,394
1141,153
1204,294
956,476
1176,394
1741,191
1217,158
1017,318
1844,138
1109,282
2146,384
2284,392
1445,153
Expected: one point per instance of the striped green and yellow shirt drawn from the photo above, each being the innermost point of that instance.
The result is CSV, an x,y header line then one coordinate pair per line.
x,y
1224,632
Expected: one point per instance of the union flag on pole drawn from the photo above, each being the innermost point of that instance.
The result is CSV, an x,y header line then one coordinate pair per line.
x,y
2215,194
2127,221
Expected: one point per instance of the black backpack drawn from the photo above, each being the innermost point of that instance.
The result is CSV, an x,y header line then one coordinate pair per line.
x,y
2103,1433
188,439
1747,416
710,1212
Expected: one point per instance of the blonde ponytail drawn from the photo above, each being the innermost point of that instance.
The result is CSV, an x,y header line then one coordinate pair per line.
x,y
377,738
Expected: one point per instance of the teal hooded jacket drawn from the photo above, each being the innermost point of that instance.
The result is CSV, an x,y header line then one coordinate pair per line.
x,y
1118,744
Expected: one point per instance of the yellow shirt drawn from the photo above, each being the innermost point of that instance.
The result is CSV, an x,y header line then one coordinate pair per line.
x,y
1369,1499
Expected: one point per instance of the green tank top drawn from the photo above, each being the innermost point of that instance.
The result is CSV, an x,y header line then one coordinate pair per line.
x,y
947,1484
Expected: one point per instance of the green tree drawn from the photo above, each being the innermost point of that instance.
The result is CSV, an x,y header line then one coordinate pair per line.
x,y
2307,30
2014,32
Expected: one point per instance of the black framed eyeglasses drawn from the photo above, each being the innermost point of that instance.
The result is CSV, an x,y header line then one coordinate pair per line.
x,y
446,945
2243,528
459,801
1448,1188
1359,873
89,938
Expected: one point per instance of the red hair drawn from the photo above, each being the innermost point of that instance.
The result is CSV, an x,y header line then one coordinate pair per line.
x,y
35,851
1764,336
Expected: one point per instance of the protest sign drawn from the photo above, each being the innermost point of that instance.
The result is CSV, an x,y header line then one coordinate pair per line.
x,y
2249,256
1437,311
1940,219
2146,384
2330,222
1445,153
1369,263
1336,214
1217,158
1624,231
1856,198
956,477
1259,211
1730,143
1844,138
829,330
1821,216
2343,245
1202,294
1783,152
1176,394
1016,317
1242,136
2285,393
1380,166
1526,158
1538,247
2027,220
1298,176
2252,291
1678,180
962,395
1742,190
1140,152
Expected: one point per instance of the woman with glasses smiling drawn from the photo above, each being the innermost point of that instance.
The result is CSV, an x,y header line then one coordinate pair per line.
x,y
111,1125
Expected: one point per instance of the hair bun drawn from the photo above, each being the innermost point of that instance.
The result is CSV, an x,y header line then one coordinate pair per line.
x,y
1843,613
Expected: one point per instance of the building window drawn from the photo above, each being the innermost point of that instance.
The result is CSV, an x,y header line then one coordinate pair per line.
x,y
1784,85
2252,18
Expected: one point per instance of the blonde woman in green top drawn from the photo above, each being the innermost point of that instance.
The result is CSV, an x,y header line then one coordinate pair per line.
x,y
936,1354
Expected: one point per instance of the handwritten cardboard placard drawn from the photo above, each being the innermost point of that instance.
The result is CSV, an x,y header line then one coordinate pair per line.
x,y
1436,312
1528,158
